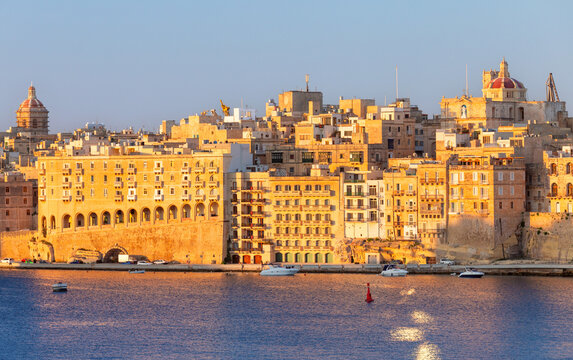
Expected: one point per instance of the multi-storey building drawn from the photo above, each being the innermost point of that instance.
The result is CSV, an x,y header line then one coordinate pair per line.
x,y
363,199
401,208
161,206
559,168
17,202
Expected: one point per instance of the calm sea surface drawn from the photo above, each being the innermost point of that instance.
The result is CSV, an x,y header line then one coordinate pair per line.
x,y
118,315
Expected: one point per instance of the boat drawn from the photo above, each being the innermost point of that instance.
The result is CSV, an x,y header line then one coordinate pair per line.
x,y
392,270
278,270
471,273
139,271
59,287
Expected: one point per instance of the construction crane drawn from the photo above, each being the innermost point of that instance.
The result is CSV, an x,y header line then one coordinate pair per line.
x,y
225,108
551,89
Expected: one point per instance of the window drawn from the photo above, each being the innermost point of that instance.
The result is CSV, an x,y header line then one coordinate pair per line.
x,y
307,157
278,188
276,157
500,176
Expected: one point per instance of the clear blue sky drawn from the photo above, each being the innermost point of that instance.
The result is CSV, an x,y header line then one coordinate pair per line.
x,y
135,63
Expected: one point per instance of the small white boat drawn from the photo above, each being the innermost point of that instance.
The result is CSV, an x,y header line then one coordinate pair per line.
x,y
277,270
59,287
471,273
392,270
140,271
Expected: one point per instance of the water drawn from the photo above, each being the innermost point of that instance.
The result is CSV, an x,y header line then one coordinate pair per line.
x,y
116,315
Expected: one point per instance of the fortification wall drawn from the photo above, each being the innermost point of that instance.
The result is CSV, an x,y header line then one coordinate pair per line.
x,y
548,237
15,244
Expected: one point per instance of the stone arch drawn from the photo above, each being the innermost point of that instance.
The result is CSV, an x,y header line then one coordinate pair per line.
x,y
297,258
111,255
132,216
93,219
258,259
172,213
66,221
214,192
186,211
80,221
212,164
246,259
307,258
105,218
318,258
288,257
145,215
569,189
328,258
52,222
214,209
200,209
278,257
159,214
119,218
569,168
553,169
44,224
200,192
236,259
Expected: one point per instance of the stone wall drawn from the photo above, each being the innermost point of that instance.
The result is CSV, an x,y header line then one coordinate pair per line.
x,y
198,243
15,244
548,237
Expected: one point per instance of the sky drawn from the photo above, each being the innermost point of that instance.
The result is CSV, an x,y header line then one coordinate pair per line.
x,y
136,63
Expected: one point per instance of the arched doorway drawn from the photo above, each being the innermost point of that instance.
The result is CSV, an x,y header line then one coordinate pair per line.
x,y
111,256
132,218
279,257
186,212
236,259
318,258
145,215
258,259
288,257
213,209
119,217
307,258
105,218
246,259
80,221
172,213
328,259
297,258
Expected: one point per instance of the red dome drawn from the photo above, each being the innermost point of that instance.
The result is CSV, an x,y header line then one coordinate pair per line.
x,y
32,101
505,82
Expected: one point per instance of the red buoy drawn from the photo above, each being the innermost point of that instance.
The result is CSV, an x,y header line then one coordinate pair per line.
x,y
368,296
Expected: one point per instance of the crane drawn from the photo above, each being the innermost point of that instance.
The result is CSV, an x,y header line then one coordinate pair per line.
x,y
225,108
551,89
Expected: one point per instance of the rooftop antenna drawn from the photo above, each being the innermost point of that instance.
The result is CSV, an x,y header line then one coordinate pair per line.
x,y
551,89
306,78
467,91
396,82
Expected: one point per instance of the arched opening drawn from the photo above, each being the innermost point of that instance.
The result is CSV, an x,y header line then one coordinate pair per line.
x,y
172,213
93,219
521,114
297,257
510,113
105,218
307,258
569,168
279,257
246,259
554,189
132,217
159,214
186,211
553,169
52,222
119,217
569,189
328,258
318,258
200,210
66,222
80,221
44,224
288,257
112,255
258,259
145,215
214,209
236,259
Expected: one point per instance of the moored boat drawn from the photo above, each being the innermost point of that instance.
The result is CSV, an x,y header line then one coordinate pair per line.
x,y
471,273
391,270
59,287
139,271
277,270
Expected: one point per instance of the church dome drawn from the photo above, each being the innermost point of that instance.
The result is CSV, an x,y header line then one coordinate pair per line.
x,y
505,82
31,102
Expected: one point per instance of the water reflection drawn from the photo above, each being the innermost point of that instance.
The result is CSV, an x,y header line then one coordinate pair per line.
x,y
427,351
407,334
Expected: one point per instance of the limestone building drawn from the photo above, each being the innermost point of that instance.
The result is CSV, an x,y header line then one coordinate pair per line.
x,y
17,202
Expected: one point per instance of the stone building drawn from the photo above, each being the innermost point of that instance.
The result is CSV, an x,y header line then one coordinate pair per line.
x,y
559,167
32,116
17,202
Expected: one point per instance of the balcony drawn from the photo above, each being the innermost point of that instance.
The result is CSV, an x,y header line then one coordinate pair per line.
x,y
213,183
42,184
432,197
131,197
185,170
186,183
79,171
319,207
257,214
410,193
198,170
253,188
118,198
79,185
132,184
131,171
355,194
67,198
67,171
158,170
356,207
185,197
199,197
214,197
316,193
42,171
398,193
118,171
199,184
158,184
118,184
214,170
67,185
158,197
78,197
288,193
432,181
42,197
234,189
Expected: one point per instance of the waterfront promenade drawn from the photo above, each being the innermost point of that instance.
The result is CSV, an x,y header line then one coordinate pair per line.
x,y
490,269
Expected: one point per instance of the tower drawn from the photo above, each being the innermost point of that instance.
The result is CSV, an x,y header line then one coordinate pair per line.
x,y
32,115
